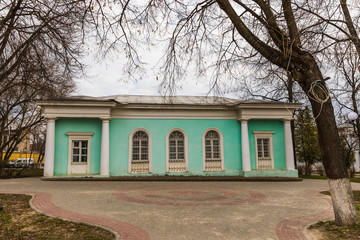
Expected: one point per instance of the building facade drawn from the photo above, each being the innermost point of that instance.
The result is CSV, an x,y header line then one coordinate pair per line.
x,y
149,135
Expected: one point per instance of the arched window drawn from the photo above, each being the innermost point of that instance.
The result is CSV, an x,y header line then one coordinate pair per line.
x,y
140,154
213,151
176,151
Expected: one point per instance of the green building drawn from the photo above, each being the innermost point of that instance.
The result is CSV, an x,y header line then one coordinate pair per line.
x,y
153,135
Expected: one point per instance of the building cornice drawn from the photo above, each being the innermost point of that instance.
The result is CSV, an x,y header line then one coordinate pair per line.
x,y
109,109
46,103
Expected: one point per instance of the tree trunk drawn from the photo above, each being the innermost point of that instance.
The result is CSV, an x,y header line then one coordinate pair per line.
x,y
334,163
330,146
343,201
308,169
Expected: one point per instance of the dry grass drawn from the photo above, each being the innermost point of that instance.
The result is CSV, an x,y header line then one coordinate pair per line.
x,y
19,221
329,230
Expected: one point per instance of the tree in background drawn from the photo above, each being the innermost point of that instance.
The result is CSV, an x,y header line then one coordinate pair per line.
x,y
306,141
38,135
40,43
349,141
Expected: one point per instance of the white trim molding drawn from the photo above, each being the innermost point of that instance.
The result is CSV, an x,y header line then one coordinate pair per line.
x,y
131,149
221,145
264,135
263,132
100,108
79,133
185,149
265,112
80,137
76,109
169,113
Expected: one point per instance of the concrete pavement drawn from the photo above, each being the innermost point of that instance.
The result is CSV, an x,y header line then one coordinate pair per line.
x,y
184,210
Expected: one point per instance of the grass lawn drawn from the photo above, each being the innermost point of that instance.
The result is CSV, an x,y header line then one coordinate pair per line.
x,y
353,179
19,221
329,230
21,172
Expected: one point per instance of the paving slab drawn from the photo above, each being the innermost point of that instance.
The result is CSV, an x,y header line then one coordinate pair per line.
x,y
184,210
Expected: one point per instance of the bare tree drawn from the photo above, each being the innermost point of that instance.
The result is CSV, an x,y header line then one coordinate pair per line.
x,y
18,112
40,44
228,37
287,52
346,91
224,37
272,84
38,135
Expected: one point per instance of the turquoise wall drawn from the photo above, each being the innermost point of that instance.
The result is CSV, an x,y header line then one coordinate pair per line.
x,y
278,140
120,130
64,125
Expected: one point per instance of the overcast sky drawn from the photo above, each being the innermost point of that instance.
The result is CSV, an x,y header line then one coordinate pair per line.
x,y
104,77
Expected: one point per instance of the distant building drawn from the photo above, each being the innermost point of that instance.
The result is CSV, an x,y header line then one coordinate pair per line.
x,y
23,149
153,135
23,146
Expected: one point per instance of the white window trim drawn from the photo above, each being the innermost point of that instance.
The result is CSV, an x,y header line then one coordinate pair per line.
x,y
131,149
265,134
185,148
79,133
221,147
80,137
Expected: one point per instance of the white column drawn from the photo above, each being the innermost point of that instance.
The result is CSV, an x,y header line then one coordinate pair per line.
x,y
289,151
104,160
245,146
49,148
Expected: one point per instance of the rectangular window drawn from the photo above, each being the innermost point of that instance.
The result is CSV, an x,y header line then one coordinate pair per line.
x,y
79,151
263,148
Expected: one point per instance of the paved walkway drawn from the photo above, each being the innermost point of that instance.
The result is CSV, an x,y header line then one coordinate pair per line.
x,y
184,210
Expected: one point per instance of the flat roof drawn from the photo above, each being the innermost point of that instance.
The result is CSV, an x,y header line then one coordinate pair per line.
x,y
165,100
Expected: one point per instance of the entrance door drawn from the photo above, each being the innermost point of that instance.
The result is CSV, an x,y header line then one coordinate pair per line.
x,y
80,157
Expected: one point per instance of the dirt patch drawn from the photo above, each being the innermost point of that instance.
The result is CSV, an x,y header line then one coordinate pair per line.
x,y
315,234
329,230
19,221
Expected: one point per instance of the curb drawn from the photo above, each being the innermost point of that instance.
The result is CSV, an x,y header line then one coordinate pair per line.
x,y
177,178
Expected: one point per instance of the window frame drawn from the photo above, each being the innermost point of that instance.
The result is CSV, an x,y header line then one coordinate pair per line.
x,y
80,162
261,135
79,136
221,145
130,152
185,149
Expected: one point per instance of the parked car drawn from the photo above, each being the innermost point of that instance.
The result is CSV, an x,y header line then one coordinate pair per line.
x,y
21,162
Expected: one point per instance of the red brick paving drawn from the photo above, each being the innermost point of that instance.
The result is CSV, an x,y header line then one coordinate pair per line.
x,y
225,193
287,229
186,193
42,202
294,228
